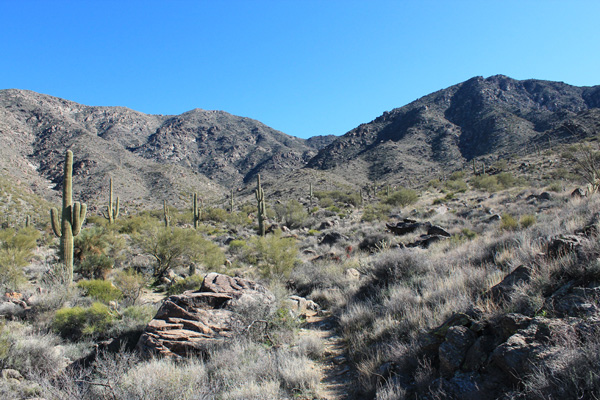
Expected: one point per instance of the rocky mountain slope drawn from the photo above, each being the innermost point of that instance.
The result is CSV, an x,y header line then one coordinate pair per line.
x,y
151,157
477,119
156,157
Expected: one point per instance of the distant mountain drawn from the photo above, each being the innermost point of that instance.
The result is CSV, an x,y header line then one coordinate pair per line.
x,y
150,157
479,118
156,157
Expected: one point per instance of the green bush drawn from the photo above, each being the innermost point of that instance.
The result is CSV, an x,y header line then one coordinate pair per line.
x,y
456,175
77,322
402,198
375,212
95,266
456,185
100,290
292,213
16,250
485,182
527,220
174,246
508,223
273,255
130,283
192,282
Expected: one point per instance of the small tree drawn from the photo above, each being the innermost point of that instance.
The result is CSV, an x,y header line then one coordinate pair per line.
x,y
172,246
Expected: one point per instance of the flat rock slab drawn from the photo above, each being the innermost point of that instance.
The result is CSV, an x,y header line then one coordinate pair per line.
x,y
192,322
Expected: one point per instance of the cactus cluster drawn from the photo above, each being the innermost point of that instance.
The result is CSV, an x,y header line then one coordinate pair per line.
x,y
260,197
72,217
112,212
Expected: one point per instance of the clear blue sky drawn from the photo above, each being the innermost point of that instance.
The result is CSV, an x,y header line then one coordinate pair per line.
x,y
304,67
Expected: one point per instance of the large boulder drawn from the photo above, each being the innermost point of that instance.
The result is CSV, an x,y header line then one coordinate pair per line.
x,y
192,322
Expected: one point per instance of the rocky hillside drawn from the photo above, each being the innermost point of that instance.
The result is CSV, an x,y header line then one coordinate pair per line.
x,y
151,157
477,119
156,157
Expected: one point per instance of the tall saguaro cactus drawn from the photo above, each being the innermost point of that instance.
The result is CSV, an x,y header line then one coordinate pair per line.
x,y
167,216
260,197
196,211
72,217
231,204
310,195
112,212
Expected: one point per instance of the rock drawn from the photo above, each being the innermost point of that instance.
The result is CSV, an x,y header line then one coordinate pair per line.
x,y
191,322
515,356
454,349
579,192
502,291
426,240
494,218
326,225
10,374
544,196
352,274
332,238
563,244
301,306
437,230
477,354
457,319
406,226
508,324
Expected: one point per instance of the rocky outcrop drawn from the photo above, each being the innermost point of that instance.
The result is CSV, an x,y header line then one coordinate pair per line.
x,y
192,322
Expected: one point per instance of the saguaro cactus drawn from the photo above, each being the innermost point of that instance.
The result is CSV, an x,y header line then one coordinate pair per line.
x,y
73,215
260,197
231,202
310,195
167,216
196,211
112,212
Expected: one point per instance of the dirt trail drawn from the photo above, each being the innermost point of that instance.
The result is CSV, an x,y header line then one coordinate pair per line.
x,y
338,377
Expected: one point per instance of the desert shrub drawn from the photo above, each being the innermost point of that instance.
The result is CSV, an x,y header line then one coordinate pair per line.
x,y
311,346
506,179
134,224
291,212
16,250
95,266
555,187
30,353
192,282
91,241
274,255
527,220
508,222
402,197
173,246
376,212
434,183
485,182
456,175
130,283
456,185
100,290
77,322
215,214
133,319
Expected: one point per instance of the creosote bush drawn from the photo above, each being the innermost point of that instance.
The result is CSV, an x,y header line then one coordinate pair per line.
x,y
77,322
100,290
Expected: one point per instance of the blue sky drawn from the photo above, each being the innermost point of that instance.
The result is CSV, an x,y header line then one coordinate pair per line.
x,y
304,67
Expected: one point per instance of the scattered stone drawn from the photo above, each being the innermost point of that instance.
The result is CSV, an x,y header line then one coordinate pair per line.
x,y
579,192
11,374
301,306
563,244
502,291
352,274
494,218
407,226
437,230
332,238
339,360
453,351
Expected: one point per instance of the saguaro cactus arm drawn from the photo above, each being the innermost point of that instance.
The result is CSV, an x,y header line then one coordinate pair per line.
x,y
55,223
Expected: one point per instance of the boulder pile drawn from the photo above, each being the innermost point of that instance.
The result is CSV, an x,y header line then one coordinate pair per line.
x,y
192,322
